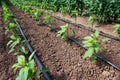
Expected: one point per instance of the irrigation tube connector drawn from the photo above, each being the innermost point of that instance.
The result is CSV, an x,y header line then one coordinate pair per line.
x,y
83,27
79,44
38,61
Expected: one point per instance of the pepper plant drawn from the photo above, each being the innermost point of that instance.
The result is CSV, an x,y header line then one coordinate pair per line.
x,y
48,19
63,33
93,46
117,30
26,68
74,14
17,45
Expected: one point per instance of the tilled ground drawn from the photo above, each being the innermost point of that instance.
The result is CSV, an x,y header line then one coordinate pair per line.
x,y
65,59
2,37
6,60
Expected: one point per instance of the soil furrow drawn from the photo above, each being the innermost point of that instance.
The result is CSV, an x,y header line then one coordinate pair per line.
x,y
6,60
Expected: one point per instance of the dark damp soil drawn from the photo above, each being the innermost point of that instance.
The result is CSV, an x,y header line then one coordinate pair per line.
x,y
6,60
2,34
65,59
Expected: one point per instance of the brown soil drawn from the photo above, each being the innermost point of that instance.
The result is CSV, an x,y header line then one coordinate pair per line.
x,y
2,34
6,60
106,28
65,59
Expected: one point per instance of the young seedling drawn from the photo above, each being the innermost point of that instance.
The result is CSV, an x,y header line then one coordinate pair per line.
x,y
74,14
63,33
26,68
15,40
10,28
48,20
117,30
91,20
93,45
63,10
23,50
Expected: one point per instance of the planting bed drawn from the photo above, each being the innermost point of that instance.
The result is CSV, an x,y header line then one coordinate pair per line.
x,y
106,28
65,59
6,60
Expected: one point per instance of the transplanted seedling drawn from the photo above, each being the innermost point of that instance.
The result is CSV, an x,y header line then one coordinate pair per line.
x,y
26,68
117,30
63,33
91,20
93,45
74,14
48,19
15,40
10,28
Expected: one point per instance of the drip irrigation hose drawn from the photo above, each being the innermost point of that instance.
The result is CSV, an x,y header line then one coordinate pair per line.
x,y
78,43
83,27
81,45
38,61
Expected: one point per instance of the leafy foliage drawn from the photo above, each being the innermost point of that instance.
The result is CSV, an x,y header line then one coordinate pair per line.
x,y
117,30
48,19
26,69
103,11
93,45
63,33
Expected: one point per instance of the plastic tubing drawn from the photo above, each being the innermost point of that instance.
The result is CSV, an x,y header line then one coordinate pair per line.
x,y
83,27
81,45
38,61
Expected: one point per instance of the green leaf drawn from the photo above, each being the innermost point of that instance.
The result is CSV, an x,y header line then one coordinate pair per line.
x,y
106,39
13,37
21,60
88,37
30,65
38,73
12,25
97,49
88,44
9,42
94,59
11,50
63,33
13,44
23,74
89,52
31,56
23,50
91,20
96,34
15,66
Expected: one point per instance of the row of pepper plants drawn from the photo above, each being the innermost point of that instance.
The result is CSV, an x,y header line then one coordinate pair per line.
x,y
101,11
16,44
97,10
91,42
